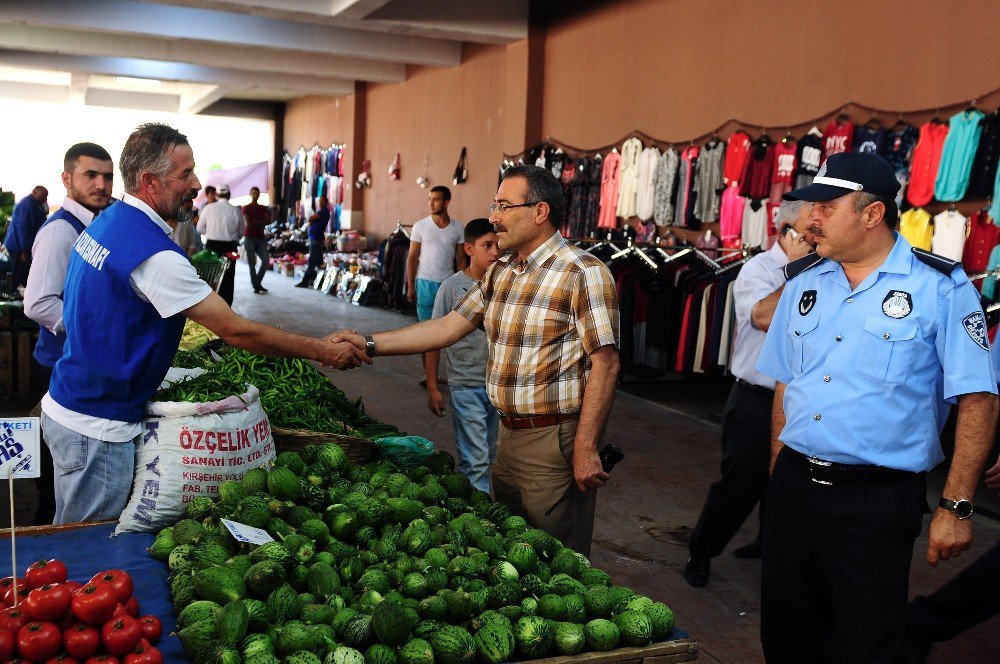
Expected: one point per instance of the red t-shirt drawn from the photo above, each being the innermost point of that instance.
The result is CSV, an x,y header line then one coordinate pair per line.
x,y
784,162
837,138
737,150
257,218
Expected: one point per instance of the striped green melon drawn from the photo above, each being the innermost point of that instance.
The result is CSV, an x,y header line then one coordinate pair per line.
x,y
453,645
494,643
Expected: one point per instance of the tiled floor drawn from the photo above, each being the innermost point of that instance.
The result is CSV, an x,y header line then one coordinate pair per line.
x,y
646,512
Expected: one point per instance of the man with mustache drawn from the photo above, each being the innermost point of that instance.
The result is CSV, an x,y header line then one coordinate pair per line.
x,y
129,289
550,313
88,173
871,344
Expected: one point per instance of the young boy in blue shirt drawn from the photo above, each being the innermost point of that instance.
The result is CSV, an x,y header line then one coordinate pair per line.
x,y
474,418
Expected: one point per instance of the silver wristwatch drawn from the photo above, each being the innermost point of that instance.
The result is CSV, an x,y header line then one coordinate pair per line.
x,y
370,348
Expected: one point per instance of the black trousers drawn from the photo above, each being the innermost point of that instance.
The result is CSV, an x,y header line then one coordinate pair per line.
x,y
836,566
229,278
968,599
316,251
746,453
46,481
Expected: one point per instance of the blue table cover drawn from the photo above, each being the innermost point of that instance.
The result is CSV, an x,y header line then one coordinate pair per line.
x,y
87,551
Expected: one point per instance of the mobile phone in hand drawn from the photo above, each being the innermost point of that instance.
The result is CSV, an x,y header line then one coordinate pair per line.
x,y
610,456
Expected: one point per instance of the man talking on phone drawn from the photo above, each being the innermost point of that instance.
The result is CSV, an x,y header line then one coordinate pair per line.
x,y
746,419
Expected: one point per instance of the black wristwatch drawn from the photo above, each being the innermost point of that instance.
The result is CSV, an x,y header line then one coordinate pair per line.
x,y
370,348
962,508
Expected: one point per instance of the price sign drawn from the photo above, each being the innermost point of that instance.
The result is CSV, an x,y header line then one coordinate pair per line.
x,y
20,442
245,533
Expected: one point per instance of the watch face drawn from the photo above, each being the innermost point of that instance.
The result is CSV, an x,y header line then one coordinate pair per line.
x,y
963,508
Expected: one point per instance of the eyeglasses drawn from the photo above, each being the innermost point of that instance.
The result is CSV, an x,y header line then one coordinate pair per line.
x,y
503,207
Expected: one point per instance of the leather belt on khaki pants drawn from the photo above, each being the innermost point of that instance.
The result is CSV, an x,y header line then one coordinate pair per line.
x,y
535,421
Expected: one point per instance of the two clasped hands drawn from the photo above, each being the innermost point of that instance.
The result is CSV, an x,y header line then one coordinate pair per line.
x,y
343,350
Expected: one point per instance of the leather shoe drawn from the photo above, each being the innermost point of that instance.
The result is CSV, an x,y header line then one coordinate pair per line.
x,y
302,284
748,551
262,289
696,571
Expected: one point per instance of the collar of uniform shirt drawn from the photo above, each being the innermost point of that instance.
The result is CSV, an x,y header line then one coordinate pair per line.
x,y
78,211
129,199
898,261
538,256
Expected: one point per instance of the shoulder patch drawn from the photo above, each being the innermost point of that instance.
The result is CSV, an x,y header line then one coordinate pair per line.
x,y
800,265
943,265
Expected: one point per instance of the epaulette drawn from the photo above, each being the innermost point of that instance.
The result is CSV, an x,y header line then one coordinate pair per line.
x,y
943,265
800,265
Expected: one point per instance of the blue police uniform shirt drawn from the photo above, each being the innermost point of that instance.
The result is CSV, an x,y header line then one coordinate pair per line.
x,y
870,372
49,347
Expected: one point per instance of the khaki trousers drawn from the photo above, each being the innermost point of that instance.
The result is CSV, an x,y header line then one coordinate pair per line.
x,y
533,469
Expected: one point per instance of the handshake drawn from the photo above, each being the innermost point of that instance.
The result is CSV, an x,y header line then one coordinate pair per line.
x,y
343,350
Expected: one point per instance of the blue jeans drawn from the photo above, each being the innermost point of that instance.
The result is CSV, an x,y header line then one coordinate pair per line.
x,y
476,423
93,478
256,248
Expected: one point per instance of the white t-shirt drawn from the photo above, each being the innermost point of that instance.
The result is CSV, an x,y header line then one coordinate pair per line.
x,y
170,283
949,234
437,248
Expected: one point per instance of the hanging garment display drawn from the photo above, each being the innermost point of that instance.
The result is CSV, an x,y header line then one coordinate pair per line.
x,y
838,136
784,168
949,234
666,185
869,138
898,152
984,234
708,180
737,151
731,215
683,215
808,158
394,168
964,130
924,164
915,226
645,197
610,179
629,178
984,165
756,179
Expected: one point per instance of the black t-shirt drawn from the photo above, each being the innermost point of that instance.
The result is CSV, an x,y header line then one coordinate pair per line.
x,y
869,139
984,165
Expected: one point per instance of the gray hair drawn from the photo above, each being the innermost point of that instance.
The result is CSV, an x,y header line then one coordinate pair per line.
x,y
788,212
865,198
543,187
148,150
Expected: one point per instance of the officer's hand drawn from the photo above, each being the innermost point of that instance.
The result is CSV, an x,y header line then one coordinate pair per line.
x,y
993,477
411,296
343,355
949,536
587,470
435,401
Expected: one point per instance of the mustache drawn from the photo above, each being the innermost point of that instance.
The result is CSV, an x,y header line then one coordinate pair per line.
x,y
816,230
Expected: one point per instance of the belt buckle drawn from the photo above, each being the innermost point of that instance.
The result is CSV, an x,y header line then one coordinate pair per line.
x,y
814,462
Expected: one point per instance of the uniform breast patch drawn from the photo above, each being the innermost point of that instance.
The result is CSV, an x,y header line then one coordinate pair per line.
x,y
807,302
975,325
897,304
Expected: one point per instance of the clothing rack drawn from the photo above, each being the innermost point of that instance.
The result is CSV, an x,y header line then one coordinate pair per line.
x,y
401,228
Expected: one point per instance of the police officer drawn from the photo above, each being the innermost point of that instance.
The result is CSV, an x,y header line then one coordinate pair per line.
x,y
871,343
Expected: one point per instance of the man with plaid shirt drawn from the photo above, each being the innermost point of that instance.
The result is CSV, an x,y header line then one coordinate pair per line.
x,y
550,312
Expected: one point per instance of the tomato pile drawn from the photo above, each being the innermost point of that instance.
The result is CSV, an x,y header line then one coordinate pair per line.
x,y
61,621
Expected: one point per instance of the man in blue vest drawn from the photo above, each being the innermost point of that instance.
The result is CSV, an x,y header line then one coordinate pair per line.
x,y
129,288
26,219
88,173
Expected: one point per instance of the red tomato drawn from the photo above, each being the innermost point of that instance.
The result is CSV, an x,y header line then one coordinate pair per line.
x,y
119,611
103,659
81,641
63,659
48,602
94,604
132,606
38,641
5,585
117,579
121,635
22,594
152,629
6,644
144,654
13,619
73,586
46,572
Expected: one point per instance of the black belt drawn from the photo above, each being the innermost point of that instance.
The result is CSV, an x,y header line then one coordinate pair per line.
x,y
834,474
754,388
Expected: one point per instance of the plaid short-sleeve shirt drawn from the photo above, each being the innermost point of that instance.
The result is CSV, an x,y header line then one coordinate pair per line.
x,y
543,317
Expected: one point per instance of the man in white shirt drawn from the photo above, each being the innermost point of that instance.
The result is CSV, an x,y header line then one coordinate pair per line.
x,y
88,173
746,419
223,225
129,289
437,246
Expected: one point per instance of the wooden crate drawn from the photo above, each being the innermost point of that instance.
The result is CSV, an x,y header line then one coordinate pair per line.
x,y
668,652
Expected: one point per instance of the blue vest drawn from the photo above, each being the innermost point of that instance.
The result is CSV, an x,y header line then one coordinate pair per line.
x,y
49,348
118,347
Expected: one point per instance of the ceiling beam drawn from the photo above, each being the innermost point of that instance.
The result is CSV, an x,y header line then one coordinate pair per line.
x,y
239,29
75,42
146,101
481,21
173,71
53,94
196,102
78,88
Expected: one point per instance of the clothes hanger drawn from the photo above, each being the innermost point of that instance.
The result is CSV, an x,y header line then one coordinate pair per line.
x,y
788,137
973,106
899,122
815,131
937,117
873,123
